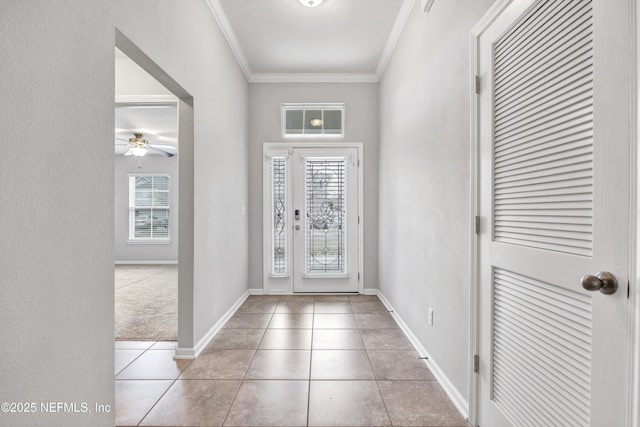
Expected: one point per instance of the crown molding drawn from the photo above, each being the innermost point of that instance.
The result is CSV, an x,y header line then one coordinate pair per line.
x,y
225,26
396,31
426,5
313,78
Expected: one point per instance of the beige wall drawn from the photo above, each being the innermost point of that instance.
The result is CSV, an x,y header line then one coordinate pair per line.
x,y
361,112
425,227
57,197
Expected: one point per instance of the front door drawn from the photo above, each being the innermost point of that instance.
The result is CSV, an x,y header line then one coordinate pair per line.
x,y
311,220
554,121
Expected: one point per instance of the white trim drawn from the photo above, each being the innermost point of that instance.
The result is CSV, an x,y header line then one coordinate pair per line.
x,y
474,318
476,32
370,291
633,391
313,78
192,353
225,26
326,106
289,146
146,99
146,262
149,242
396,32
254,291
456,397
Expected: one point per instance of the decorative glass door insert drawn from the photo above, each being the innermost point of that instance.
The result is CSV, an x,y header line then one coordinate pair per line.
x,y
311,220
326,210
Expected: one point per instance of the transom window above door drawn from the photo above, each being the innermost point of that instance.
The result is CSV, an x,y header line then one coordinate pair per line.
x,y
313,120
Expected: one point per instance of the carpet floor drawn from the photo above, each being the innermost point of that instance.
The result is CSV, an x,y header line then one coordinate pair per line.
x,y
146,302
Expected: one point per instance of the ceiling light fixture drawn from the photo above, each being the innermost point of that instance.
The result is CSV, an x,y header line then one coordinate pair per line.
x,y
315,122
311,3
140,145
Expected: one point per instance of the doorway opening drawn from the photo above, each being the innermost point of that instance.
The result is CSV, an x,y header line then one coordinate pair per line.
x,y
184,184
146,208
312,218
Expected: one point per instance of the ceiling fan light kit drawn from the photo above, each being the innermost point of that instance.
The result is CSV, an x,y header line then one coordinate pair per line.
x,y
311,3
139,151
140,145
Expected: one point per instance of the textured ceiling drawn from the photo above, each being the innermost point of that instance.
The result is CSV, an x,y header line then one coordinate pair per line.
x,y
339,36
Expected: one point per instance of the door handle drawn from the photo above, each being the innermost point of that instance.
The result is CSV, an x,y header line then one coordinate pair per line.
x,y
603,281
297,227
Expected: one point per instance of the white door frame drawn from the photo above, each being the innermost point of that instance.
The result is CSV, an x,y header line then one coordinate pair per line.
x,y
633,409
287,281
633,418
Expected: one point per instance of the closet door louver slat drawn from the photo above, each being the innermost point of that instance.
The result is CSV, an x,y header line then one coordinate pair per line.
x,y
545,138
542,198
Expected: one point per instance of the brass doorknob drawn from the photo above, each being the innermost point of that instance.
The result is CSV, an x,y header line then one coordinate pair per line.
x,y
603,281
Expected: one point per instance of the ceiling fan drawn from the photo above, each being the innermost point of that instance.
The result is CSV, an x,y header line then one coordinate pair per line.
x,y
139,147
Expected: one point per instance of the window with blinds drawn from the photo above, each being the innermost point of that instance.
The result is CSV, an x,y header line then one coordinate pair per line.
x,y
149,207
312,120
326,213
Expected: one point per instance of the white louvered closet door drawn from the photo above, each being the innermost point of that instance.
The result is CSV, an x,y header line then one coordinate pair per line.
x,y
554,187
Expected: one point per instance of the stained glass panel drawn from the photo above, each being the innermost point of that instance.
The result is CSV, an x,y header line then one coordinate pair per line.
x,y
325,222
279,203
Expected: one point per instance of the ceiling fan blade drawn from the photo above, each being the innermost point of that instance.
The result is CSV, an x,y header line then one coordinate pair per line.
x,y
153,150
163,146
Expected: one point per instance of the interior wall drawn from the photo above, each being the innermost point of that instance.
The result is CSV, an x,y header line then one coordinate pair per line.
x,y
209,72
131,80
425,225
360,125
57,204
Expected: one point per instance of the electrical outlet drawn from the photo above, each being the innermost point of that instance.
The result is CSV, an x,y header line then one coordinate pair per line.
x,y
430,316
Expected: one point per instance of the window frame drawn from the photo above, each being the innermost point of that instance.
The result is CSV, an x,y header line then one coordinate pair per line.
x,y
131,177
323,107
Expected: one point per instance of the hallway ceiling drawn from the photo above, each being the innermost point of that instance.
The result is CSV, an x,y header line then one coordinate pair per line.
x,y
339,40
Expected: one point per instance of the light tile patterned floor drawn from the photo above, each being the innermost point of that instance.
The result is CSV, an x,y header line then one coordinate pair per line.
x,y
286,361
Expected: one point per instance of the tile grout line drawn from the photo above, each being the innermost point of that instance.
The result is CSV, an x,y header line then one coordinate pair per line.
x,y
164,393
375,377
136,358
250,362
313,320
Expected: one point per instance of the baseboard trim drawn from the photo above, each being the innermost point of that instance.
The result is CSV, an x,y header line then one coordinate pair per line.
x,y
192,353
456,397
257,291
145,262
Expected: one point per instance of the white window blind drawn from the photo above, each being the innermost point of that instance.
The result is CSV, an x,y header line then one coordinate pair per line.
x,y
149,207
326,213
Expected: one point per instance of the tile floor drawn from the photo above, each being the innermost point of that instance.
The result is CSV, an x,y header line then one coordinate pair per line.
x,y
286,361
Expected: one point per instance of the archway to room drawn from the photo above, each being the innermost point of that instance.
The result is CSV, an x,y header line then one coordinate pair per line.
x,y
145,211
146,208
155,198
